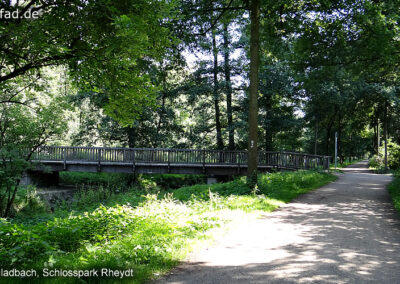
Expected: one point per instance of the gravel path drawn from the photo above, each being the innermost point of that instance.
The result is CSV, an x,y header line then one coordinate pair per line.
x,y
345,232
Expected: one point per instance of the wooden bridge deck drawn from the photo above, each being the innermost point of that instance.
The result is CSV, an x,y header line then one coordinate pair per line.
x,y
181,161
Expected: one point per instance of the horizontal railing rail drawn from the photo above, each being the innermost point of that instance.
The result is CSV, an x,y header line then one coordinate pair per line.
x,y
290,160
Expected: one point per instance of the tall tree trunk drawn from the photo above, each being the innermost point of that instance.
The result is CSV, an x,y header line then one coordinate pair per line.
x,y
316,136
378,134
328,141
227,69
253,92
351,147
374,138
131,132
377,137
158,139
385,136
220,144
375,124
269,143
267,126
339,142
11,197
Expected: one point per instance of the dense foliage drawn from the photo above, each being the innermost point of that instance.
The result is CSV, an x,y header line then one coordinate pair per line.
x,y
394,190
377,161
120,180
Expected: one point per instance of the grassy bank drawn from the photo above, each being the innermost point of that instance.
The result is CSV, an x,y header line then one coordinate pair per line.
x,y
149,233
163,181
394,190
344,164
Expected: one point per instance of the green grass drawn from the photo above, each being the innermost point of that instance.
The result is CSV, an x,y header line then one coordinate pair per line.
x,y
344,164
163,181
149,233
274,188
394,190
79,178
174,181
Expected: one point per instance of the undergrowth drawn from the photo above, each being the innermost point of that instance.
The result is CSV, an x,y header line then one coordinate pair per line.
x,y
344,164
394,190
163,181
149,233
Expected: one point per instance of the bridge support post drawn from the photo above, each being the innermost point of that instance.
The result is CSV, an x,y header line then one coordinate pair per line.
x,y
218,178
212,180
26,179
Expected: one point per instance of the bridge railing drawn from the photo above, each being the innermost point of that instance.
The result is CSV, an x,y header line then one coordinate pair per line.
x,y
290,160
293,160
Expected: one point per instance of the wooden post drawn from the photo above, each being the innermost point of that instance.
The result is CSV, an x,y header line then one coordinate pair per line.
x,y
169,162
133,161
204,161
336,148
65,158
99,160
238,161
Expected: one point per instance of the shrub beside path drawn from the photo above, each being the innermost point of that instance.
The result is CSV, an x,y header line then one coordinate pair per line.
x,y
344,232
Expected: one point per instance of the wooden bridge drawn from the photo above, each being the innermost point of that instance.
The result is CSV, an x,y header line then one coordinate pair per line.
x,y
179,161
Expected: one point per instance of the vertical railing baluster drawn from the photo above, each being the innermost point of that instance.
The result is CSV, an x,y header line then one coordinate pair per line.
x,y
204,161
169,162
133,161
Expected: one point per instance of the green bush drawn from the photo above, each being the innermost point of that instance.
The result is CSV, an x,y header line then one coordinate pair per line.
x,y
21,246
174,181
103,224
90,195
105,179
28,203
375,161
163,181
24,245
394,157
394,190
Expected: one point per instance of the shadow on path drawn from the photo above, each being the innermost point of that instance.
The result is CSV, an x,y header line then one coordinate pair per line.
x,y
345,232
361,167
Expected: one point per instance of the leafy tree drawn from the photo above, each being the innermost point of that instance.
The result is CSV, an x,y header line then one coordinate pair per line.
x,y
25,127
104,45
102,42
